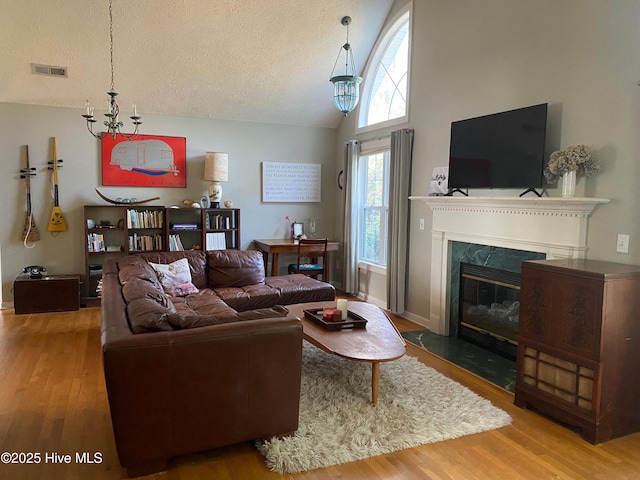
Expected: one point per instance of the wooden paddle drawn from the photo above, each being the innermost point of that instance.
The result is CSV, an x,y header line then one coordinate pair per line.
x,y
30,232
56,221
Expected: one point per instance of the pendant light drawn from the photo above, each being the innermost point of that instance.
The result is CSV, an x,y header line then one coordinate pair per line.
x,y
346,88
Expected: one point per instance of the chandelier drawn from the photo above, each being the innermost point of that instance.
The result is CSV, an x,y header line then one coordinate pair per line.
x,y
346,88
112,122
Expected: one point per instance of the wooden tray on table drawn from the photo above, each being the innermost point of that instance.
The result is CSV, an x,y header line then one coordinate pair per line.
x,y
353,320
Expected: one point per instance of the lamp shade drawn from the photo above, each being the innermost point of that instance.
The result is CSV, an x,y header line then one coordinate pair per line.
x,y
216,167
346,92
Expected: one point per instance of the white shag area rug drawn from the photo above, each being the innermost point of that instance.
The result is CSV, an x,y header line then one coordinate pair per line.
x,y
339,424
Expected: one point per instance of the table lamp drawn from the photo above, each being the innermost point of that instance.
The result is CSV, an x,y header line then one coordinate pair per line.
x,y
216,170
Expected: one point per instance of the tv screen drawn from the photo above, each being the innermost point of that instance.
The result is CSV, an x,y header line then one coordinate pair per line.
x,y
502,150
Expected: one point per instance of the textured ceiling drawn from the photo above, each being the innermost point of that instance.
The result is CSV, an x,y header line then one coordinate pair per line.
x,y
248,60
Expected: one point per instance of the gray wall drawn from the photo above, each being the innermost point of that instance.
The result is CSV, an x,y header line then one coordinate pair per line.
x,y
472,58
248,144
468,58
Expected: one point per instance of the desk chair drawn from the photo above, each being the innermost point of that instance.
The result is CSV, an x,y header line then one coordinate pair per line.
x,y
310,252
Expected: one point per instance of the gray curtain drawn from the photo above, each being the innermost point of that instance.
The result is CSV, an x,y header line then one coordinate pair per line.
x,y
351,283
398,234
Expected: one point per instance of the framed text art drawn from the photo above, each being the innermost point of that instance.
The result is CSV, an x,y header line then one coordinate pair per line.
x,y
291,182
147,161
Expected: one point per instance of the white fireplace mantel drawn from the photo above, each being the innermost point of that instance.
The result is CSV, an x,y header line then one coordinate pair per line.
x,y
555,226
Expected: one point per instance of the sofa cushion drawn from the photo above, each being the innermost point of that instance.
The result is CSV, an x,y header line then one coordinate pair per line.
x,y
205,302
298,288
139,288
175,277
181,321
135,268
234,268
249,296
147,315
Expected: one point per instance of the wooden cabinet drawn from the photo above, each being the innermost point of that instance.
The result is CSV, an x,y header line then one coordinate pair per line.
x,y
55,293
579,345
116,230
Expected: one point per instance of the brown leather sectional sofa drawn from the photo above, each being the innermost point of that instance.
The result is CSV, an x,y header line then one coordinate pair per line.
x,y
213,368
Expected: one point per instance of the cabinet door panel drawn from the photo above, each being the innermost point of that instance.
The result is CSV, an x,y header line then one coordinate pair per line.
x,y
581,308
537,316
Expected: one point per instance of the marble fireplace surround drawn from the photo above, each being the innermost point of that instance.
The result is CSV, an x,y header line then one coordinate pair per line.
x,y
555,226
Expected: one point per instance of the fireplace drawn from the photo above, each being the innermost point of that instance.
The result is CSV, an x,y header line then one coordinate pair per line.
x,y
484,284
555,227
488,308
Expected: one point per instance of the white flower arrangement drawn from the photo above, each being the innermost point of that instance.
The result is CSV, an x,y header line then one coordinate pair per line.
x,y
576,157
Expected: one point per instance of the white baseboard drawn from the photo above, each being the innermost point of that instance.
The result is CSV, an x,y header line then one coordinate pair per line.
x,y
376,301
416,319
422,321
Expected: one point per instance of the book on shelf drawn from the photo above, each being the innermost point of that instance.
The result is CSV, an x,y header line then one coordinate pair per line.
x,y
144,219
145,242
184,226
216,241
175,244
95,269
95,242
218,222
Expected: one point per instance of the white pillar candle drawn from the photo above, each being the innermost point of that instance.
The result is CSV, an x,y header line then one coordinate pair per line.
x,y
342,306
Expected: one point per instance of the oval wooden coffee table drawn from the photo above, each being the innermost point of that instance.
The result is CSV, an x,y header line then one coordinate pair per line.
x,y
379,342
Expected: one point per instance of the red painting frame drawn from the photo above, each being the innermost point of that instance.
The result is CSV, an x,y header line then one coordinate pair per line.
x,y
146,161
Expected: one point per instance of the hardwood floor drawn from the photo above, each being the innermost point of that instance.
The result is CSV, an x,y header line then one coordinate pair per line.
x,y
53,400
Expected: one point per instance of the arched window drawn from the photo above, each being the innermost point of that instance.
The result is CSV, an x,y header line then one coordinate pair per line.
x,y
385,91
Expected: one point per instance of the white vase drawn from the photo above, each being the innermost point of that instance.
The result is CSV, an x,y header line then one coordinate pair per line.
x,y
569,184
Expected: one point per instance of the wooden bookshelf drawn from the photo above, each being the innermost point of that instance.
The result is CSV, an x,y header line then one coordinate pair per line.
x,y
118,230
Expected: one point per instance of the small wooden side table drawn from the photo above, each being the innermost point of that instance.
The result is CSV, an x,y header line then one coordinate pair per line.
x,y
55,293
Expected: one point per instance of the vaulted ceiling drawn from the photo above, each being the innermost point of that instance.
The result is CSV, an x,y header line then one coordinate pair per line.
x,y
248,60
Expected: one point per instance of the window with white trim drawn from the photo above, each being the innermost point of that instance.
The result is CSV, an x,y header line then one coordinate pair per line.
x,y
385,90
373,171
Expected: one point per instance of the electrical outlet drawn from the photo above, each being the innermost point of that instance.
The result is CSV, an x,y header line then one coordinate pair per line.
x,y
422,224
622,245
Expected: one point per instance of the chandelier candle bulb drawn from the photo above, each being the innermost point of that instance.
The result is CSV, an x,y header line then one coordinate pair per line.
x,y
135,110
342,306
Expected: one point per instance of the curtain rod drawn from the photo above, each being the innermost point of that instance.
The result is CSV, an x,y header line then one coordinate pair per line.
x,y
375,139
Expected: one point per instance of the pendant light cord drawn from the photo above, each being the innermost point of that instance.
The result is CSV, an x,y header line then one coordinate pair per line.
x,y
347,48
111,38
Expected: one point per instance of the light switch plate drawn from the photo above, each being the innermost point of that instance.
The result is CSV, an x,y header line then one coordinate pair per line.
x,y
622,244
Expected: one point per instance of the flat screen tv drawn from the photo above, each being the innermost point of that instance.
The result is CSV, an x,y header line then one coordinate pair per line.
x,y
502,150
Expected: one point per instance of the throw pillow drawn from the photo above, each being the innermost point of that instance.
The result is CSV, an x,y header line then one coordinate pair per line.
x,y
184,289
175,277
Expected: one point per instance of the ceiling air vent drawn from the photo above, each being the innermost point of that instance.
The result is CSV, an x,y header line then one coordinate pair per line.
x,y
49,70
